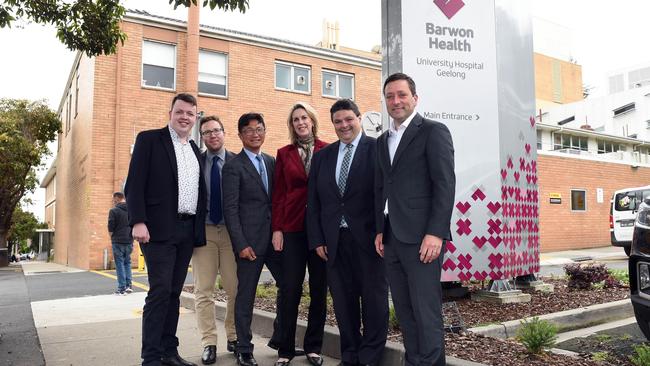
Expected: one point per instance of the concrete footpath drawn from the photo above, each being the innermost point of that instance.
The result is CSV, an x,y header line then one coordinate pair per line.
x,y
601,254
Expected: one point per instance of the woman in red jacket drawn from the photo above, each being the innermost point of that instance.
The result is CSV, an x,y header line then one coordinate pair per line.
x,y
288,222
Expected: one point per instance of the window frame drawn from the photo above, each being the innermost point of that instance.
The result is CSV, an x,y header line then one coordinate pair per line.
x,y
144,86
584,192
572,139
293,67
337,94
224,54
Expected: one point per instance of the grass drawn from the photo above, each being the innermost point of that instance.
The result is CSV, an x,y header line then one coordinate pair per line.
x,y
603,338
621,275
600,356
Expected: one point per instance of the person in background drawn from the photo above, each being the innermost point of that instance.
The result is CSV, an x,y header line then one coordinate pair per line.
x,y
122,243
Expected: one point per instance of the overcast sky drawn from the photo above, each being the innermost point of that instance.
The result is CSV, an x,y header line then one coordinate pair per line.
x,y
604,36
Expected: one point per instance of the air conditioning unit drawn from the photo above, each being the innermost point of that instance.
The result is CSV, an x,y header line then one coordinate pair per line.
x,y
329,84
301,80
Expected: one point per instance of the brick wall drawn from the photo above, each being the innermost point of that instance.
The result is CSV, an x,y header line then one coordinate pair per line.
x,y
562,229
93,167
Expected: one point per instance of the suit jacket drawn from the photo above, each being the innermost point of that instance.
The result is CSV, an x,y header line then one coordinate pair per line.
x,y
152,186
420,183
204,159
290,189
325,205
246,205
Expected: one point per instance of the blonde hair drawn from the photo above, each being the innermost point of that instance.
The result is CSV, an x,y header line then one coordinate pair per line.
x,y
311,112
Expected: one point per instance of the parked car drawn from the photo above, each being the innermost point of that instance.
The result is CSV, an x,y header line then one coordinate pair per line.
x,y
622,213
639,268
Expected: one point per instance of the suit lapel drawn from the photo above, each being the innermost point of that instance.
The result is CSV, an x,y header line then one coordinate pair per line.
x,y
250,168
294,155
169,147
407,137
331,167
270,171
359,155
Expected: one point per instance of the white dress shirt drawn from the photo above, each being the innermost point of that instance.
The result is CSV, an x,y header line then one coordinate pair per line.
x,y
339,159
188,174
394,138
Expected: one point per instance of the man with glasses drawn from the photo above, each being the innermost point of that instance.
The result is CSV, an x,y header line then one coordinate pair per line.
x,y
217,256
247,186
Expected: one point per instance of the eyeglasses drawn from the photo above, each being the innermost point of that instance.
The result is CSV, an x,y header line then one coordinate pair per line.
x,y
252,131
217,131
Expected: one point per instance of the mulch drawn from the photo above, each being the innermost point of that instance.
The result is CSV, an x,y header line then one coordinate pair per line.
x,y
488,350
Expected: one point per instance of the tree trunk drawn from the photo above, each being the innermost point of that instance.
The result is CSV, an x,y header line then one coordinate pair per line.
x,y
4,253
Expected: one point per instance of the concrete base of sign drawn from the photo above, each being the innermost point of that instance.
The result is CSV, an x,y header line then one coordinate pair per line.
x,y
536,286
501,297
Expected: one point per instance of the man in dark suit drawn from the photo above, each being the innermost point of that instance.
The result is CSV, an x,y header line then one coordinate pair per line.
x,y
247,186
165,196
217,256
341,228
414,192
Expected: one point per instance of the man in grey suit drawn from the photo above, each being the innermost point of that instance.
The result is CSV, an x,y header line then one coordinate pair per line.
x,y
414,193
247,186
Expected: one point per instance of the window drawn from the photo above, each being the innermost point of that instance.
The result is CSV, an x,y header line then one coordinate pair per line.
x,y
578,198
213,73
605,147
292,77
68,113
338,85
539,140
158,65
564,141
624,109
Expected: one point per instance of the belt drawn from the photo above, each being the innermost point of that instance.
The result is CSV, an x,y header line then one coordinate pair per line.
x,y
185,216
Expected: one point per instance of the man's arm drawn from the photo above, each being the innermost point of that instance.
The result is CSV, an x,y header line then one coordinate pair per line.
x,y
230,181
440,159
135,187
111,222
379,201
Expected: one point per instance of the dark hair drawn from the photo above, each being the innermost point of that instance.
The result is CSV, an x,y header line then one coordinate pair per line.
x,y
188,98
400,76
207,119
344,104
246,119
118,195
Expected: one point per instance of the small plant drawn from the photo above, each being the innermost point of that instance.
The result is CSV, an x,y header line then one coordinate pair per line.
x,y
600,356
266,290
583,277
393,322
641,356
621,275
536,334
603,338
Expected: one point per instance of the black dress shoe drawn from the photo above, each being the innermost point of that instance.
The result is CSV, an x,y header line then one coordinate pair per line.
x,y
209,355
175,360
246,359
282,363
232,346
315,360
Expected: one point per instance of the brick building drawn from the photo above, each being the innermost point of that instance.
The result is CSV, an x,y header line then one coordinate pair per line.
x,y
109,99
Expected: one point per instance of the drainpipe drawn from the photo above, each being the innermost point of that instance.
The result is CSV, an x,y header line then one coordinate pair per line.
x,y
192,54
118,119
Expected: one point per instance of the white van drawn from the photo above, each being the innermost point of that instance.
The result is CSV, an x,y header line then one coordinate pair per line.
x,y
625,204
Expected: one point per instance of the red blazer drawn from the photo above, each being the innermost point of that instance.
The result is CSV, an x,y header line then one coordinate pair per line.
x,y
289,198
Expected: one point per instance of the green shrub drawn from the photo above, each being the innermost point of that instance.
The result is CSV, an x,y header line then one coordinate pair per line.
x,y
266,290
600,356
537,334
393,323
642,355
620,275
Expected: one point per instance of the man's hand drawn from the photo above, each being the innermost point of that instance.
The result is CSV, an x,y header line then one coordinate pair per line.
x,y
248,253
140,233
379,244
278,241
322,252
430,248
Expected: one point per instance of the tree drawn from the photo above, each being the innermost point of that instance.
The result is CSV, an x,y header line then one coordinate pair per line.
x,y
91,26
25,129
23,226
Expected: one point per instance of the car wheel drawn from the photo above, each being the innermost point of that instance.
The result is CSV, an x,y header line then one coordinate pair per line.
x,y
627,250
643,324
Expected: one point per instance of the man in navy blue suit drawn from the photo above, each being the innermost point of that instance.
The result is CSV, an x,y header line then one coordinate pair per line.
x,y
166,200
341,228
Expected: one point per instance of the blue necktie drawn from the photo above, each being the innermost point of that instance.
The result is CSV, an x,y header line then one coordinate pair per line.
x,y
216,212
260,165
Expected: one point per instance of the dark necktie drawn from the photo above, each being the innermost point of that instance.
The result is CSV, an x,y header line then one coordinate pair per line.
x,y
262,172
216,212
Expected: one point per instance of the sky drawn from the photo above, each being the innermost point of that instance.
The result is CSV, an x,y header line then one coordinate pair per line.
x,y
601,36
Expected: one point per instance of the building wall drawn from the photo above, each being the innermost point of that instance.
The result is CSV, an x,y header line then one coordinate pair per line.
x,y
121,108
562,229
73,174
50,203
556,81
